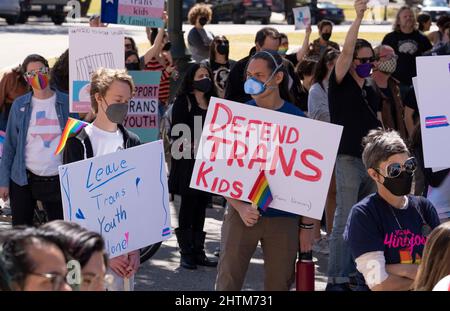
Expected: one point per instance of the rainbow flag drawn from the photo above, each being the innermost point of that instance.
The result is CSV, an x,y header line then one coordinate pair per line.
x,y
73,127
260,193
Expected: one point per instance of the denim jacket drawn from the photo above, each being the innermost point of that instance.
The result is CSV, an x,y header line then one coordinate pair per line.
x,y
12,165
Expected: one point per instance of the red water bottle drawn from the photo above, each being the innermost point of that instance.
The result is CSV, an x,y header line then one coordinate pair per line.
x,y
304,278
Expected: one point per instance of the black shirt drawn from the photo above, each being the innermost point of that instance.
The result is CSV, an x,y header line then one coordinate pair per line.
x,y
349,108
407,47
234,89
292,58
411,102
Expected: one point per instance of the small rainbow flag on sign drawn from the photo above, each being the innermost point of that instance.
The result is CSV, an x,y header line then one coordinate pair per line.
x,y
73,127
260,193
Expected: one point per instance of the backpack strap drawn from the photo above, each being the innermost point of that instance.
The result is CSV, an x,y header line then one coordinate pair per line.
x,y
83,137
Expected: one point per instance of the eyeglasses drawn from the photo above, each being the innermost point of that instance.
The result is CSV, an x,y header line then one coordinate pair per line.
x,y
57,280
33,73
395,169
364,60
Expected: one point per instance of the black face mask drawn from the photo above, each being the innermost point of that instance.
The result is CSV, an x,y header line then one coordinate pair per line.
x,y
167,46
203,21
204,85
400,185
326,36
223,49
132,66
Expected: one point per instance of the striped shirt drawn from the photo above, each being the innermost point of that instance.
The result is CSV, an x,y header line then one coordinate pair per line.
x,y
164,85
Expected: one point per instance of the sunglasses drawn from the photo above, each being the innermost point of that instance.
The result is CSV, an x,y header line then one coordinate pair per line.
x,y
394,170
364,60
33,73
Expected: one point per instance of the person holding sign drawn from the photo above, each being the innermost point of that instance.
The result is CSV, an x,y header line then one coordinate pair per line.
x,y
29,168
191,103
244,225
387,231
111,90
354,103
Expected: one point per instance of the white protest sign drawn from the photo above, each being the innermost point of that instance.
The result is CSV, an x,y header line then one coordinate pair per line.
x,y
297,153
302,17
121,195
91,48
376,3
433,84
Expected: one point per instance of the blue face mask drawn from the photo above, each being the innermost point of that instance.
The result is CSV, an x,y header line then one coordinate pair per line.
x,y
255,87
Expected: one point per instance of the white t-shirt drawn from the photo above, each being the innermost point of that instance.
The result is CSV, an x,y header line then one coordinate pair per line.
x,y
44,133
104,142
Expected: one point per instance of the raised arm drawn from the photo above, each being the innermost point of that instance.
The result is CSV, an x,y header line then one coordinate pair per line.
x,y
157,45
305,46
345,59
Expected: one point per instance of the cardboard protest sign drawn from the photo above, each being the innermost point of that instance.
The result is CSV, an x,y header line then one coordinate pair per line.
x,y
145,13
121,195
433,83
142,118
91,48
297,154
302,17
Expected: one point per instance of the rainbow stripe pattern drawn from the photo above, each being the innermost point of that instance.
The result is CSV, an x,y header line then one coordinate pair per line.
x,y
260,194
436,121
73,127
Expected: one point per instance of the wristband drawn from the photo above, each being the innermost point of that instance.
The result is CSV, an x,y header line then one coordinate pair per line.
x,y
306,226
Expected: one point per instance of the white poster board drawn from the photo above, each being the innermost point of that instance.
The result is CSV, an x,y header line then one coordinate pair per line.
x,y
298,155
302,17
433,85
122,195
91,48
377,3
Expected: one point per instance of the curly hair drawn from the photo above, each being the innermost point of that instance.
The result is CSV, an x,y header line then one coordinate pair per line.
x,y
199,10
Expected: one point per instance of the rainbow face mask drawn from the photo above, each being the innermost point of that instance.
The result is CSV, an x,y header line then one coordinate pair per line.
x,y
38,79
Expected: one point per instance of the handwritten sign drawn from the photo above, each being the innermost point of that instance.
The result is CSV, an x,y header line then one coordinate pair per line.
x,y
142,118
297,153
377,3
145,13
433,83
121,195
91,48
302,16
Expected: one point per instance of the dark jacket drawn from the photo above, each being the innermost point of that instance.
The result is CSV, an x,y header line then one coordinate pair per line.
x,y
234,89
80,147
185,109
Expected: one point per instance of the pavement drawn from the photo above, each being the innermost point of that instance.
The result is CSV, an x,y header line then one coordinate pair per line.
x,y
163,273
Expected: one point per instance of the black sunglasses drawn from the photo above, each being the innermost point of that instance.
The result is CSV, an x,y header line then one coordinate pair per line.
x,y
364,60
395,169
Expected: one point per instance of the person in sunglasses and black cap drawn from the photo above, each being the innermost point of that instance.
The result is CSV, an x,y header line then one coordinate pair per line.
x,y
387,231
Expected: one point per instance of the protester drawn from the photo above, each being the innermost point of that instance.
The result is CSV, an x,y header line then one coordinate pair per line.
x,y
379,225
305,71
318,109
12,85
29,167
160,62
32,262
411,114
84,246
296,57
60,73
319,45
408,43
443,47
191,103
199,39
219,63
94,21
130,44
267,38
392,104
244,226
132,62
354,103
435,264
424,21
436,37
111,90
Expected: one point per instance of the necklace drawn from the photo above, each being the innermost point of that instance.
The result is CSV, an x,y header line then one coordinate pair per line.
x,y
425,230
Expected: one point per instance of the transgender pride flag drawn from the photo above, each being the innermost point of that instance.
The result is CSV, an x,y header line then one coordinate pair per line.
x,y
436,121
146,13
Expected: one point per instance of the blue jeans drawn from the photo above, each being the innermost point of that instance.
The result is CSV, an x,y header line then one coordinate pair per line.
x,y
352,185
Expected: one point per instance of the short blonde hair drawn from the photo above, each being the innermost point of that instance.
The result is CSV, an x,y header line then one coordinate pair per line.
x,y
103,78
199,10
